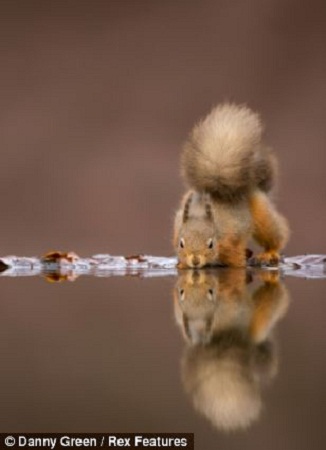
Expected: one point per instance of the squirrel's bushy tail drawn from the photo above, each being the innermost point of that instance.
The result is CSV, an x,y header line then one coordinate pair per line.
x,y
224,154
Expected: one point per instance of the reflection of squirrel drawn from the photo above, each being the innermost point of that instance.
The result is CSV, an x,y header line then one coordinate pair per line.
x,y
230,352
230,171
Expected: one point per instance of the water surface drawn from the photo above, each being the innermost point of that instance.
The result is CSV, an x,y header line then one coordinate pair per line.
x,y
167,355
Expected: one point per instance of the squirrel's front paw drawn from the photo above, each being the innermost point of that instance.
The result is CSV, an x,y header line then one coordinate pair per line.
x,y
181,266
270,258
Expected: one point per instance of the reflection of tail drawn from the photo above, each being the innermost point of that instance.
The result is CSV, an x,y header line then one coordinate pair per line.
x,y
230,351
221,386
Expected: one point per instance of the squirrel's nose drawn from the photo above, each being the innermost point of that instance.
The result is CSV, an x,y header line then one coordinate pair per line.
x,y
195,261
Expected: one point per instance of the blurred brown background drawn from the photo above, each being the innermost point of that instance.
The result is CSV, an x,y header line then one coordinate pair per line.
x,y
98,96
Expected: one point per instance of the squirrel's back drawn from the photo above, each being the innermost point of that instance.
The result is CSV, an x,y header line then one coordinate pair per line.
x,y
224,154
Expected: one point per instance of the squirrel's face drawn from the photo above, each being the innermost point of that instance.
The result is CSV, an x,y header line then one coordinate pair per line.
x,y
196,245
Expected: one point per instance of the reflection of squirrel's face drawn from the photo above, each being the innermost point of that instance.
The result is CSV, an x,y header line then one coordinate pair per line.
x,y
197,244
196,288
206,299
195,297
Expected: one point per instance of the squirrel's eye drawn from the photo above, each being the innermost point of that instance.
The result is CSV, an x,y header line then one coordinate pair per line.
x,y
182,243
182,294
210,294
210,243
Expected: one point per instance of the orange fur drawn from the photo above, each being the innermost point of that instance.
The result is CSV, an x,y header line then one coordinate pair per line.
x,y
232,251
270,228
269,307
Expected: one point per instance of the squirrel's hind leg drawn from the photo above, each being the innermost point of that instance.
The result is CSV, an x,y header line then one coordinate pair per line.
x,y
270,229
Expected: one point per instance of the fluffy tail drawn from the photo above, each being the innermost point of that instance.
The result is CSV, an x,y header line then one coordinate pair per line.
x,y
224,154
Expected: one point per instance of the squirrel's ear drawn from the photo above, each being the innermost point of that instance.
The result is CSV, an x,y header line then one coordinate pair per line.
x,y
208,212
186,208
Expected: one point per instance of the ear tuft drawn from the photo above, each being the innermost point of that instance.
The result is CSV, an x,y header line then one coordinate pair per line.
x,y
186,209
